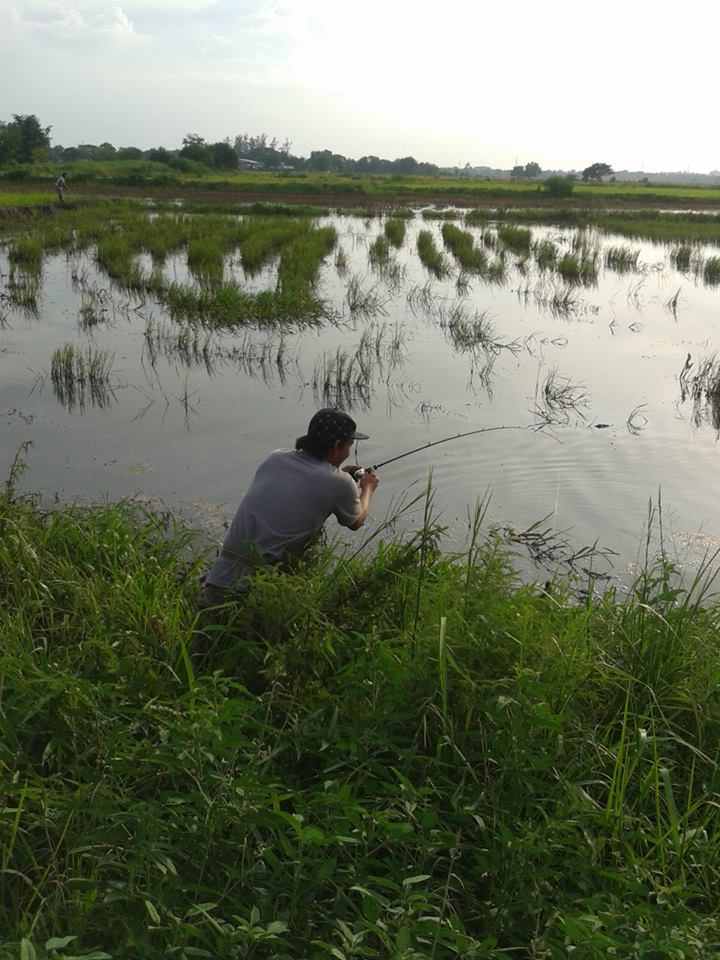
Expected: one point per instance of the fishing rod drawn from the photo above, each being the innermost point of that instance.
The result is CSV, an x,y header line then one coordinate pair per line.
x,y
360,472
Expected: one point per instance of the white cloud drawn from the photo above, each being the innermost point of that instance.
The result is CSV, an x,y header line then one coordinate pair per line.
x,y
51,22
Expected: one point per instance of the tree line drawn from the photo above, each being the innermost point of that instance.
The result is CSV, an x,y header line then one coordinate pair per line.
x,y
24,140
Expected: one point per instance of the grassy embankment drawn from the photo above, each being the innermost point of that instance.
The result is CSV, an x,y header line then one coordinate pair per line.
x,y
106,176
405,756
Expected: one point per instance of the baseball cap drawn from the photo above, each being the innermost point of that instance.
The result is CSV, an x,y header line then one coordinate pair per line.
x,y
329,424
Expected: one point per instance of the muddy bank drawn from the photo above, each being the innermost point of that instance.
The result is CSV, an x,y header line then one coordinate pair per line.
x,y
34,211
373,202
389,201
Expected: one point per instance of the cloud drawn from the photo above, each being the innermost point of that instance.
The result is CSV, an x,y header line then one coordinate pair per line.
x,y
49,22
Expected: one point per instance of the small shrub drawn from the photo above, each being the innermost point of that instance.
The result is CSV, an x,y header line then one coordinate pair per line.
x,y
559,186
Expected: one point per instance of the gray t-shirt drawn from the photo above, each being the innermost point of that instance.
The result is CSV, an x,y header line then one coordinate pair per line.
x,y
290,498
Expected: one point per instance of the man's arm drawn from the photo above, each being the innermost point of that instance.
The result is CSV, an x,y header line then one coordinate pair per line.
x,y
368,483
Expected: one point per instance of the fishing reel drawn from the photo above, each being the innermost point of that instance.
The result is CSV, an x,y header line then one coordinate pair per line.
x,y
359,474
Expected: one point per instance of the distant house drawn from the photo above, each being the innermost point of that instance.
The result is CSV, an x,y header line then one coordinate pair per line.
x,y
249,164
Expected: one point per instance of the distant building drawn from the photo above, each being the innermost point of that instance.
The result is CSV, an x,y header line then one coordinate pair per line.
x,y
250,164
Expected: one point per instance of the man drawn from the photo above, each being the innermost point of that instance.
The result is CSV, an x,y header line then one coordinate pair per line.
x,y
291,496
60,186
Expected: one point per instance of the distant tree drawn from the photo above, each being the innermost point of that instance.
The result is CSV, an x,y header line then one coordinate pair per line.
x,y
270,154
320,160
158,155
559,186
596,171
195,148
92,151
407,165
372,164
224,156
70,153
8,143
129,153
23,139
529,170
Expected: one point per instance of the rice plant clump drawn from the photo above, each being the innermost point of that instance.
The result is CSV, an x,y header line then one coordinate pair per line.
x,y
546,254
557,398
205,259
479,216
379,252
621,259
432,258
703,386
578,268
80,376
395,231
711,271
516,239
461,243
22,292
364,301
680,257
434,214
26,252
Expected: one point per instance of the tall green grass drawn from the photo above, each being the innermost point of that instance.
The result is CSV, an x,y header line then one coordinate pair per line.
x,y
405,754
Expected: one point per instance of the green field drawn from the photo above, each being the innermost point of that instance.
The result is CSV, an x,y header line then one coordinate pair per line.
x,y
405,756
148,175
19,199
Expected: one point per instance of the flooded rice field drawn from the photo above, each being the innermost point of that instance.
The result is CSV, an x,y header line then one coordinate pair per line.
x,y
597,350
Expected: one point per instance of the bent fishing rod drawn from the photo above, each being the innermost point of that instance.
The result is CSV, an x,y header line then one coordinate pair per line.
x,y
360,472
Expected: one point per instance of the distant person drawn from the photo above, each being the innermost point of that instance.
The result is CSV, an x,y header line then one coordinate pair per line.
x,y
60,187
290,498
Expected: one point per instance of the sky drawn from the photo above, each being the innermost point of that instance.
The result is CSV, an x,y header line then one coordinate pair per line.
x,y
627,82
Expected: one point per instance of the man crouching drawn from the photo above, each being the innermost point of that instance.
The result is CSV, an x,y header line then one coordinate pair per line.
x,y
290,498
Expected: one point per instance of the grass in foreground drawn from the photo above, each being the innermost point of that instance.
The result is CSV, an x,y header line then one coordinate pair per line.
x,y
405,756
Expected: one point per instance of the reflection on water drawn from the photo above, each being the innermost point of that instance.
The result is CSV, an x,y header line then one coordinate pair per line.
x,y
611,343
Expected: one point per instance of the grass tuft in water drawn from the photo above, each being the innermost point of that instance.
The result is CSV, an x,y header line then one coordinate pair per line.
x,y
461,244
516,239
26,253
432,258
557,398
395,231
379,251
546,254
621,259
680,257
711,271
80,376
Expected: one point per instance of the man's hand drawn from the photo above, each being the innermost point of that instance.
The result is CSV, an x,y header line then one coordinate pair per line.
x,y
369,480
350,468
